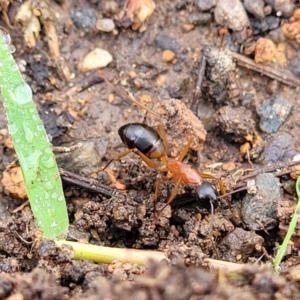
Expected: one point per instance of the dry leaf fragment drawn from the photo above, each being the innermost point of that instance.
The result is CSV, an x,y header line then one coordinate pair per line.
x,y
31,24
4,4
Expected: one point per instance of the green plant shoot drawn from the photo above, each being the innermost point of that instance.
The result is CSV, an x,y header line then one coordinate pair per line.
x,y
39,168
282,248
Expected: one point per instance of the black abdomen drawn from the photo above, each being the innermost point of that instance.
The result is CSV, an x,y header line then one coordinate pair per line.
x,y
141,137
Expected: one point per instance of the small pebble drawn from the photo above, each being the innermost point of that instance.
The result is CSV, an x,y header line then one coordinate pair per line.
x,y
231,13
204,5
165,42
239,37
255,7
236,122
219,63
273,112
266,24
293,274
276,35
181,4
296,14
84,18
294,65
106,25
295,171
272,86
168,56
259,211
13,183
177,68
97,58
188,27
228,166
109,8
283,8
265,51
132,74
138,83
291,30
87,156
282,148
200,18
145,99
267,10
205,112
111,98
288,185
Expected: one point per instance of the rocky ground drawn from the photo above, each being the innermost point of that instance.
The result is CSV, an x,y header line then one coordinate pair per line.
x,y
221,74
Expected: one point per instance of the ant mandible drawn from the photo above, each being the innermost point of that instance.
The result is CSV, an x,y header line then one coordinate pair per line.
x,y
149,144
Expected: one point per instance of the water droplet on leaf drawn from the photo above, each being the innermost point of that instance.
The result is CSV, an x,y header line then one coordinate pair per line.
x,y
22,93
48,161
12,128
12,49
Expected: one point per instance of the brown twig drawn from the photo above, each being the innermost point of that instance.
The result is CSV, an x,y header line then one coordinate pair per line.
x,y
83,84
20,207
198,84
283,76
87,183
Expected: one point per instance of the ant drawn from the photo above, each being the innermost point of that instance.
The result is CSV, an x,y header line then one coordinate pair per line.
x,y
149,144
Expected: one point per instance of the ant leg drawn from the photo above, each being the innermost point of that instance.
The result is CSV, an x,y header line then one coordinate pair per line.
x,y
210,232
150,163
159,178
185,150
118,157
146,159
220,183
173,194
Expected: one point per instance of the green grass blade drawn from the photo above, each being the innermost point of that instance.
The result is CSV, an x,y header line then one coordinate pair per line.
x,y
40,171
282,248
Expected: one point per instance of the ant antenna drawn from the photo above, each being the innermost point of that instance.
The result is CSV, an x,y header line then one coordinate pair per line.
x,y
123,94
233,192
210,231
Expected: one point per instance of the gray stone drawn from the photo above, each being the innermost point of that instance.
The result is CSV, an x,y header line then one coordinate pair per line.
x,y
283,8
273,112
255,7
259,211
231,14
205,5
84,18
282,148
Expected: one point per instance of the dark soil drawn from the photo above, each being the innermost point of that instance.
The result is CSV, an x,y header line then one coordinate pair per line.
x,y
227,143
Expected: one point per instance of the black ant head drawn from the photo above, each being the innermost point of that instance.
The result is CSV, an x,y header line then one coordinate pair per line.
x,y
207,195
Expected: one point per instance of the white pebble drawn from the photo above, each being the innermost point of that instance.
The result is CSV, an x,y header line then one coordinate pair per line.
x,y
106,25
96,59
